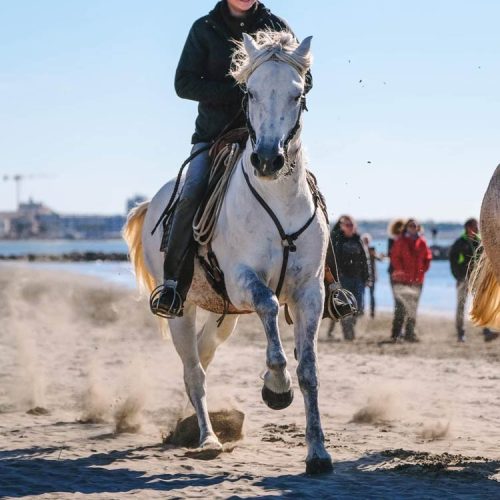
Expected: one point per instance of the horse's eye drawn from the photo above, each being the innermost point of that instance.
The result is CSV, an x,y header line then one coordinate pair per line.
x,y
250,95
296,99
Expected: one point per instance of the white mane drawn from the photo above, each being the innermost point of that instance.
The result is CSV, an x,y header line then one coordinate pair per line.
x,y
272,45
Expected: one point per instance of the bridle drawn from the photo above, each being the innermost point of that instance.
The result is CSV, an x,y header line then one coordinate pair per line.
x,y
293,131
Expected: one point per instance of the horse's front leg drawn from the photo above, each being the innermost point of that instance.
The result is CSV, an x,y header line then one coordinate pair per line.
x,y
307,309
277,391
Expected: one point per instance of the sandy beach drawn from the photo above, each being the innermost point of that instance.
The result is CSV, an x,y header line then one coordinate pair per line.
x,y
89,390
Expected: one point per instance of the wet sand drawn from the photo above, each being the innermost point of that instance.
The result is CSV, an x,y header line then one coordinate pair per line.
x,y
89,390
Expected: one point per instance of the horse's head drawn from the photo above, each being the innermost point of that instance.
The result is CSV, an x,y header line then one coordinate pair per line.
x,y
273,69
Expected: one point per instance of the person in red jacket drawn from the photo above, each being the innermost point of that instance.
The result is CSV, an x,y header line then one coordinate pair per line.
x,y
410,260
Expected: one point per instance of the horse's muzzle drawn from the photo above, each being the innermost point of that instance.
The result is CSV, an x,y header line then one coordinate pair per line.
x,y
266,162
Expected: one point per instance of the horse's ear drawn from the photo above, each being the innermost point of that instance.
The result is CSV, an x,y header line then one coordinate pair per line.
x,y
305,46
250,45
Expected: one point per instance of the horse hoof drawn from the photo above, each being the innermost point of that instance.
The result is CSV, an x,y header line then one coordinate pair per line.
x,y
275,400
209,449
203,453
319,466
211,443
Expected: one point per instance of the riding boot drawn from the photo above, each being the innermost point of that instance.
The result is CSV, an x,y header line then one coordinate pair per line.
x,y
167,300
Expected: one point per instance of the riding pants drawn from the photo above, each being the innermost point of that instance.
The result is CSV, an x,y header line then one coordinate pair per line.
x,y
181,232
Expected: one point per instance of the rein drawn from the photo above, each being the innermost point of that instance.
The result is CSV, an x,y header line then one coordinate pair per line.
x,y
287,240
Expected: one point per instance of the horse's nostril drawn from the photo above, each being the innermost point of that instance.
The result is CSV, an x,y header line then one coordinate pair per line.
x,y
279,162
255,160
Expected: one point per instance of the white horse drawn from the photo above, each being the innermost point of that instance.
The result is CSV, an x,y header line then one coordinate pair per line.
x,y
248,245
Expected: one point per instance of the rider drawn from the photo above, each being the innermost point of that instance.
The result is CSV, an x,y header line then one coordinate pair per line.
x,y
203,75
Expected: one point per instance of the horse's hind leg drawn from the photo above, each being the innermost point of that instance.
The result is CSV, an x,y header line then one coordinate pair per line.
x,y
183,332
307,310
211,336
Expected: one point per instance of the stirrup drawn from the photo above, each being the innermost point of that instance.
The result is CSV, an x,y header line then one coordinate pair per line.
x,y
163,308
340,303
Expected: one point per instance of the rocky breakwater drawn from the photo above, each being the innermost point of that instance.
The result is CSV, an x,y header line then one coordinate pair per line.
x,y
69,257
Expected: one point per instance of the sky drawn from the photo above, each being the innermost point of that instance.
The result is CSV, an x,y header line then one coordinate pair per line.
x,y
404,116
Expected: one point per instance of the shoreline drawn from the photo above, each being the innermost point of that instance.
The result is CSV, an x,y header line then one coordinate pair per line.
x,y
119,272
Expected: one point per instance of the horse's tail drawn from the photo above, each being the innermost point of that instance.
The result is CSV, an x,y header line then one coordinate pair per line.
x,y
132,234
486,294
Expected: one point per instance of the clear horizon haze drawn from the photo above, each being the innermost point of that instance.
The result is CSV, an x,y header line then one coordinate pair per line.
x,y
403,117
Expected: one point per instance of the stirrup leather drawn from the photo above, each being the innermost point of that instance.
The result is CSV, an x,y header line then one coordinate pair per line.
x,y
341,303
162,309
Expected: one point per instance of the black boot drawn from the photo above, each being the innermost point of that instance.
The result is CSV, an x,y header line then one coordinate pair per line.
x,y
165,301
489,335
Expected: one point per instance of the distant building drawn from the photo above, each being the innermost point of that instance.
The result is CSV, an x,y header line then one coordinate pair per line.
x,y
35,220
25,222
134,201
91,226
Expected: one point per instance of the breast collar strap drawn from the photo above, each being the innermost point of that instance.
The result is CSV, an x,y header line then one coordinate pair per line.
x,y
287,240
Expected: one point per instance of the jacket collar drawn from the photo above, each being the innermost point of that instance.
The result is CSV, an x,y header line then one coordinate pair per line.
x,y
218,14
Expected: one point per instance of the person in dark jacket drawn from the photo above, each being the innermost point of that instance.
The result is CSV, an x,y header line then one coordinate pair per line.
x,y
462,258
353,266
202,75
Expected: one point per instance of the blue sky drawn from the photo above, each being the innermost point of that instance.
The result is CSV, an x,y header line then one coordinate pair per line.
x,y
87,104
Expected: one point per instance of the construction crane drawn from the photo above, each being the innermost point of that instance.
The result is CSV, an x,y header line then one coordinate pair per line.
x,y
18,178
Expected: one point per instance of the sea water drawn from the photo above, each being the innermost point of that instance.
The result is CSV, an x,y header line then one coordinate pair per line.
x,y
438,295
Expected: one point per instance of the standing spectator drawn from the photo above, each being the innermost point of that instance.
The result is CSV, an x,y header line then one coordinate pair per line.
x,y
410,259
373,257
354,273
461,263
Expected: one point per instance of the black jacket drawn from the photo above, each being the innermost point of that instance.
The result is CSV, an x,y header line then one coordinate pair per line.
x,y
202,72
461,254
351,255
